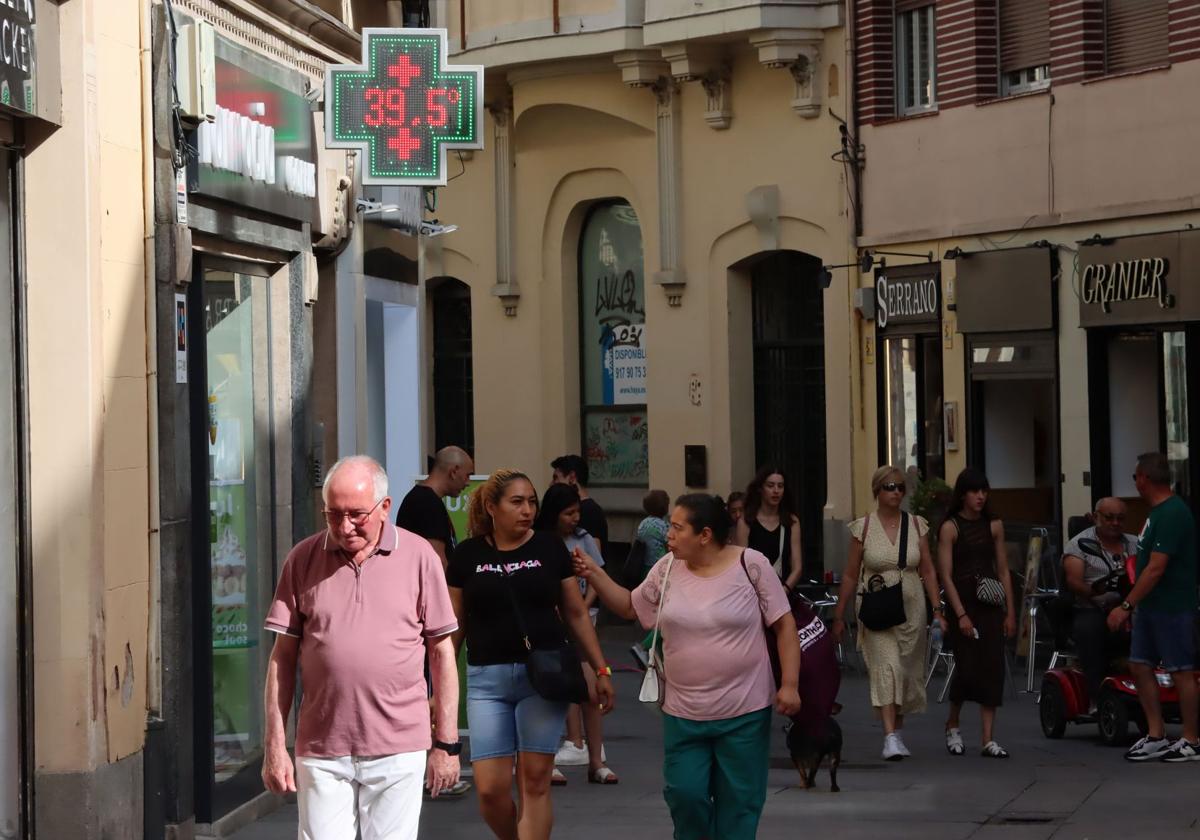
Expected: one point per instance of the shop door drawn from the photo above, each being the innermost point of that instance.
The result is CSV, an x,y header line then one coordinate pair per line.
x,y
14,642
453,372
1013,427
234,537
1143,379
910,400
789,385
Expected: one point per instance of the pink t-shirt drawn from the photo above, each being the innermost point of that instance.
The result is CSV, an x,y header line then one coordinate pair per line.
x,y
362,634
716,664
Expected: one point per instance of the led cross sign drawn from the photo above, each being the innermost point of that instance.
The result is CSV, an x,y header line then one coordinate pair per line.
x,y
403,106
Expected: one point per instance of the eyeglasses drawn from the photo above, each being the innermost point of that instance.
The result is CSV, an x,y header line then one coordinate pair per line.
x,y
1113,517
356,517
892,487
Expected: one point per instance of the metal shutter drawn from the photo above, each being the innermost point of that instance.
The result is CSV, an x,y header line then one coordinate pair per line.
x,y
1024,34
1135,34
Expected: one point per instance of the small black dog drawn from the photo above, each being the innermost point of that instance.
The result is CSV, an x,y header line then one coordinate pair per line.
x,y
814,734
809,750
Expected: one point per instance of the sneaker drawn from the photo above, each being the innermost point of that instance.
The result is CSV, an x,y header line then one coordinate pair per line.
x,y
569,755
1148,748
900,744
954,742
891,748
1181,751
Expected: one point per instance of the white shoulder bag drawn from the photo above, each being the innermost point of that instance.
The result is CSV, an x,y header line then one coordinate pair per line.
x,y
651,691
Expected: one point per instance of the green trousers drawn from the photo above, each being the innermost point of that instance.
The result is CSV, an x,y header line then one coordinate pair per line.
x,y
716,775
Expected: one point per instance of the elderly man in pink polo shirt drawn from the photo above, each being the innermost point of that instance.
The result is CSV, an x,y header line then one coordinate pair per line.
x,y
357,606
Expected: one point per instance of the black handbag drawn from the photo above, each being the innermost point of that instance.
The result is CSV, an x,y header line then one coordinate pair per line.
x,y
882,606
555,674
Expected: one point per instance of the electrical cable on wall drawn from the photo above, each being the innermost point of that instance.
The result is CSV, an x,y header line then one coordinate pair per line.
x,y
183,151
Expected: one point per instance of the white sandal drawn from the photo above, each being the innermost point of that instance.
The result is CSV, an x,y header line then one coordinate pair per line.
x,y
993,750
954,742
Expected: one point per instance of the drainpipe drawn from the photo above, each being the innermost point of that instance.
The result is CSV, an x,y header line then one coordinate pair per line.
x,y
462,25
154,636
557,21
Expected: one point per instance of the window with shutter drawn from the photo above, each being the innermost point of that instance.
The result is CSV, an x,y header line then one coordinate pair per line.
x,y
916,59
1135,35
1024,45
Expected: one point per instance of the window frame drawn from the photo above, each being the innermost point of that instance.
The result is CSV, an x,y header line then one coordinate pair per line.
x,y
905,86
587,409
1026,85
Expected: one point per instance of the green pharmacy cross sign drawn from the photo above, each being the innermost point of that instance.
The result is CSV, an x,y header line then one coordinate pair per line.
x,y
404,107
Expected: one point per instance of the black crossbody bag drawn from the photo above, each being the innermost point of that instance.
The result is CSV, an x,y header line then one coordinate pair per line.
x,y
556,674
882,606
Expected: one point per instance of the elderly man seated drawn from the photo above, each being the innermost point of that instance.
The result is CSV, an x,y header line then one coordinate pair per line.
x,y
1094,561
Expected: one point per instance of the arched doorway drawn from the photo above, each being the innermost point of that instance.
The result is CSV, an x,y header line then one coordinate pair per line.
x,y
453,377
788,316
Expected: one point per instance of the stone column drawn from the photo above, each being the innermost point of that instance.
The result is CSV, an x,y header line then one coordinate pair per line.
x,y
506,287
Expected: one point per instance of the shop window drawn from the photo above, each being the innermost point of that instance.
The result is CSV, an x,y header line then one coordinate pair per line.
x,y
1175,408
453,366
915,59
912,392
238,395
612,347
1135,35
1024,45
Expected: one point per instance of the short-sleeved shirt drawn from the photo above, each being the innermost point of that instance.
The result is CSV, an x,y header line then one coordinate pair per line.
x,y
535,571
583,540
653,532
1171,530
716,663
1097,568
424,513
593,520
362,631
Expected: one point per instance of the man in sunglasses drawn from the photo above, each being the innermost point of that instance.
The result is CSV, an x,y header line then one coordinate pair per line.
x,y
357,607
1092,561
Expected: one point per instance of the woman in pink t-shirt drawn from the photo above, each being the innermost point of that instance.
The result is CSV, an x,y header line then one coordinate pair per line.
x,y
719,689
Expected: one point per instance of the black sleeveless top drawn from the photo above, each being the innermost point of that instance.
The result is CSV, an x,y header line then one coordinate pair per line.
x,y
768,543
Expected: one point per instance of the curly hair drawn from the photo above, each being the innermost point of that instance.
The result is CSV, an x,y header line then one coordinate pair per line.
x,y
479,521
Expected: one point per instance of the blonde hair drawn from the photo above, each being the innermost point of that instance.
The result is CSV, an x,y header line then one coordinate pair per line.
x,y
479,521
882,475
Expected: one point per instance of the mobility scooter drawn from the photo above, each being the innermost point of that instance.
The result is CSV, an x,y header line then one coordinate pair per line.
x,y
1064,696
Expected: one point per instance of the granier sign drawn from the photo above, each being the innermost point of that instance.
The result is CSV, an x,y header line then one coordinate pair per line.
x,y
404,107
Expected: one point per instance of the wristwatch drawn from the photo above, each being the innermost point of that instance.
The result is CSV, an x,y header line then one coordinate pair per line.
x,y
448,749
1128,607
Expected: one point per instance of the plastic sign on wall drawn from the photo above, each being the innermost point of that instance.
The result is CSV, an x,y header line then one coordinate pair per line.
x,y
404,107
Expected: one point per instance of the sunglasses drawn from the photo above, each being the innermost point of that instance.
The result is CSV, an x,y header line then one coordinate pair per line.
x,y
892,487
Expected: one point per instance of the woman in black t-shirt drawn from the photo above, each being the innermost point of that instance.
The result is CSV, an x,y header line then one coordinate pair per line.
x,y
770,524
506,717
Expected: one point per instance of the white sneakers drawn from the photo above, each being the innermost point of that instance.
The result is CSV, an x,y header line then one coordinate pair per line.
x,y
893,747
569,755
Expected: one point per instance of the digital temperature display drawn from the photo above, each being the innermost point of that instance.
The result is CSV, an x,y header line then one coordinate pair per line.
x,y
403,107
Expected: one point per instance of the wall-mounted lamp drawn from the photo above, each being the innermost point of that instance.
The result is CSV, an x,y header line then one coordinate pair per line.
x,y
1096,239
954,253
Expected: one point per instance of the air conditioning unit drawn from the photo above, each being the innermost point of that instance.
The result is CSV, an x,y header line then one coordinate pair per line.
x,y
196,71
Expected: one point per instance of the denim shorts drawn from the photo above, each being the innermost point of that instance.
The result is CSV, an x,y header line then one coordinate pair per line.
x,y
506,716
1169,638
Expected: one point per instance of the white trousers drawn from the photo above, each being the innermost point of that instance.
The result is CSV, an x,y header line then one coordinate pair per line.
x,y
379,796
